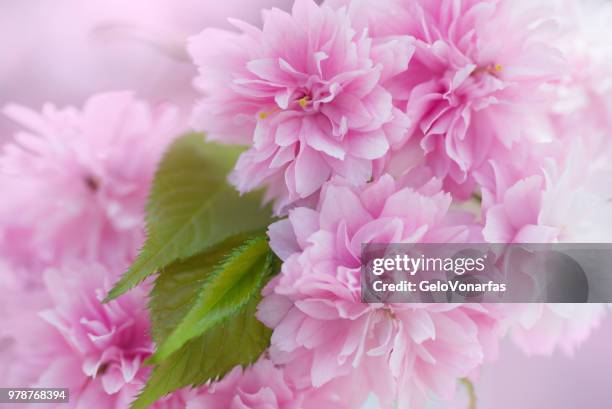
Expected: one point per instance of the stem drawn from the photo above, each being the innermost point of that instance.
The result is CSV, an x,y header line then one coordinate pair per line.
x,y
471,391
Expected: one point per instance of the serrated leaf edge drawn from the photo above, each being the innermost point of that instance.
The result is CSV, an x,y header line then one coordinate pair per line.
x,y
221,266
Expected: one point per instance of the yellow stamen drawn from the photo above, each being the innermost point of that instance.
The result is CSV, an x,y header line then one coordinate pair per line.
x,y
490,69
265,114
303,102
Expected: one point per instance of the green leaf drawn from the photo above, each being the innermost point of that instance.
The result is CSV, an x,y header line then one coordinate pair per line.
x,y
177,286
191,208
238,339
227,289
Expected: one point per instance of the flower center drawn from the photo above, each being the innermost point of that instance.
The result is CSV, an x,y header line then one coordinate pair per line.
x,y
303,101
102,369
389,313
488,69
92,182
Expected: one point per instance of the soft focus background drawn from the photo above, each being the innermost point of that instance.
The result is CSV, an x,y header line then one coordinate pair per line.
x,y
581,381
65,50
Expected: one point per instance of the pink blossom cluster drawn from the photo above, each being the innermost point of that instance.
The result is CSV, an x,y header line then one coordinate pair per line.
x,y
315,309
75,183
365,121
376,121
78,179
96,350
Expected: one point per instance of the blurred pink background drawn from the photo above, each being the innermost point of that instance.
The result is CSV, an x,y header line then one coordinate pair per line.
x,y
64,50
583,381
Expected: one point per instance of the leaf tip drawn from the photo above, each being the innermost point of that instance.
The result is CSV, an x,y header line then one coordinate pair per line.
x,y
151,361
117,290
110,296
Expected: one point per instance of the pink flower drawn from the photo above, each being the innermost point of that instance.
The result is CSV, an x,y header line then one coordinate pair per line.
x,y
583,99
539,329
322,330
96,350
516,218
257,387
76,181
263,386
564,202
474,86
305,92
18,305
